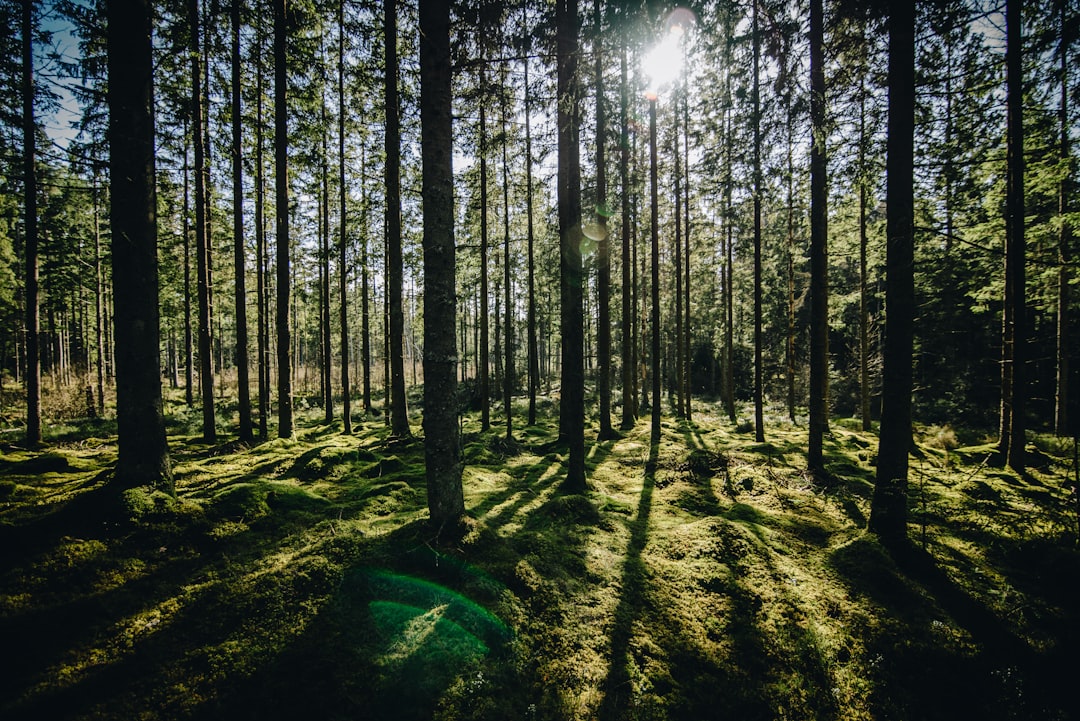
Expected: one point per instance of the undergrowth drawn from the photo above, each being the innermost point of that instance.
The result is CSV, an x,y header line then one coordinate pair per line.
x,y
709,577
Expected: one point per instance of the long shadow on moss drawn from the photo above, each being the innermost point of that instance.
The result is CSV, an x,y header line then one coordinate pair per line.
x,y
616,687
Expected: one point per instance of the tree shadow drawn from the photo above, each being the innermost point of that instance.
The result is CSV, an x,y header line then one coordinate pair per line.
x,y
617,685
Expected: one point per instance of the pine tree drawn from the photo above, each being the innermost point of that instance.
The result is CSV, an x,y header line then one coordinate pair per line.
x,y
143,451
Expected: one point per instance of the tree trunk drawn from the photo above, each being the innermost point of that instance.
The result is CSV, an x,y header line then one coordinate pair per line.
x,y
572,407
143,456
99,302
239,269
1014,236
441,444
759,390
654,229
1061,396
485,361
819,267
30,220
365,293
281,193
508,325
343,267
261,262
534,353
189,350
888,511
603,252
687,386
202,241
864,290
399,417
628,365
324,292
677,260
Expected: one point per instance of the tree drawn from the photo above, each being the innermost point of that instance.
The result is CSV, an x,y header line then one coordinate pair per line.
x,y
759,391
1013,387
33,358
1061,396
281,192
572,408
343,267
399,418
202,232
628,364
442,457
819,281
143,456
603,255
888,512
239,270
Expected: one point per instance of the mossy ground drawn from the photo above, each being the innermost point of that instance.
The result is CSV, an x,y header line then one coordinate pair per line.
x,y
710,578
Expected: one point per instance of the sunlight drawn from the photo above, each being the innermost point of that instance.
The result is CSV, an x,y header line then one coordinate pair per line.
x,y
664,62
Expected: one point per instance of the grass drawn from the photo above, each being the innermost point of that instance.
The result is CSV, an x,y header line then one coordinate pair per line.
x,y
710,578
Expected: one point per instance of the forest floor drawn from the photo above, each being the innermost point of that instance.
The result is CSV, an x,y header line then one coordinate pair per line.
x,y
298,579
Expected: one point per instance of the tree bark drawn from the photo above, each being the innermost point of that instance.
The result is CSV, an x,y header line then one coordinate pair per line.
x,y
485,343
603,252
239,269
572,407
628,364
534,353
1014,234
261,261
30,221
442,456
281,194
654,230
143,457
324,262
888,511
1061,396
508,326
819,267
759,390
343,267
202,240
399,416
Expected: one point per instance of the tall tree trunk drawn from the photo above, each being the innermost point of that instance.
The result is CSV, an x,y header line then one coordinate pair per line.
x,y
789,350
864,290
729,260
654,230
888,511
343,267
603,253
572,407
534,353
1014,236
759,390
324,293
485,361
819,266
441,444
189,349
365,291
99,302
399,417
33,357
628,365
508,326
687,386
677,258
202,239
143,456
239,269
281,193
1061,396
262,292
